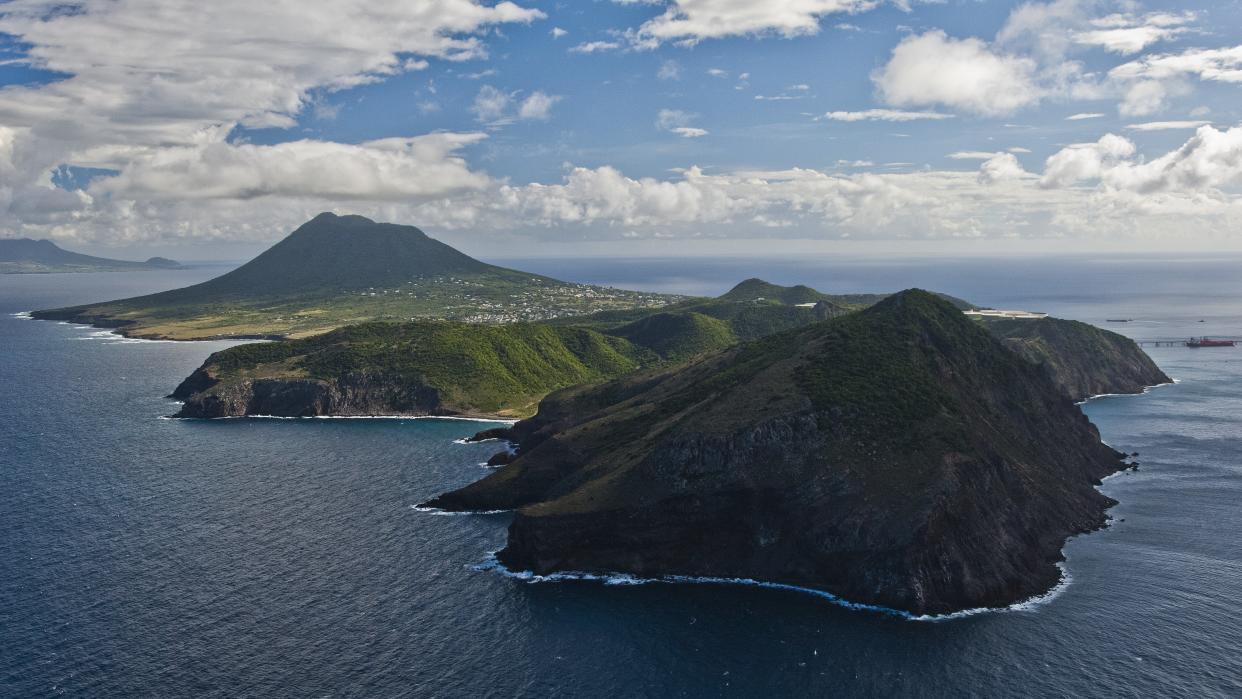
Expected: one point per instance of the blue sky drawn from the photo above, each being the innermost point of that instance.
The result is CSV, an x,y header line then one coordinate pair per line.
x,y
625,124
610,100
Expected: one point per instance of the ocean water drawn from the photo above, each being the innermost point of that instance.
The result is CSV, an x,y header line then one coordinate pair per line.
x,y
142,556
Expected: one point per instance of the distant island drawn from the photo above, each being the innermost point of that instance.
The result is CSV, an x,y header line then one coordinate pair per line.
x,y
904,456
335,271
27,256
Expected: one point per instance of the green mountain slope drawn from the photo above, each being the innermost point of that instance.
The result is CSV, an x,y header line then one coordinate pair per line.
x,y
899,456
24,256
757,289
678,336
341,270
419,368
331,254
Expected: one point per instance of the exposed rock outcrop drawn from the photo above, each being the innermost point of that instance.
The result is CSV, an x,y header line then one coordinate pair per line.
x,y
351,395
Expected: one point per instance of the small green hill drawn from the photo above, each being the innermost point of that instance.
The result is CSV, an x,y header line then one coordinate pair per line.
x,y
759,290
678,335
747,317
26,256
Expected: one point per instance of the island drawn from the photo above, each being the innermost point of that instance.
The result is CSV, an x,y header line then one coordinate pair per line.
x,y
27,256
904,456
908,451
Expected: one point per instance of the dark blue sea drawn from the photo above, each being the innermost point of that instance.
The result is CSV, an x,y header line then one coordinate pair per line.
x,y
148,557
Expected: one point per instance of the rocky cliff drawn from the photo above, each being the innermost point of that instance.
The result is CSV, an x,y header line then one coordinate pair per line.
x,y
901,456
348,395
418,368
1082,359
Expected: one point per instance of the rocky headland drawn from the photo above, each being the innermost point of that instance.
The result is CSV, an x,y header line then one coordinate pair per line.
x,y
901,456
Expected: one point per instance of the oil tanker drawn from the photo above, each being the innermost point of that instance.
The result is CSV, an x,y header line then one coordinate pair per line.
x,y
1205,342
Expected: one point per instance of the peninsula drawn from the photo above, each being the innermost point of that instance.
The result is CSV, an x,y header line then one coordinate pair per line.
x,y
901,456
27,256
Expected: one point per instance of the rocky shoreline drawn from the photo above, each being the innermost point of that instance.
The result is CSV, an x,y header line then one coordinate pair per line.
x,y
355,395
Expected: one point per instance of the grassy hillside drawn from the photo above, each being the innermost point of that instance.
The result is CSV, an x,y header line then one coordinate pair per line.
x,y
678,336
490,369
506,368
335,271
757,289
753,308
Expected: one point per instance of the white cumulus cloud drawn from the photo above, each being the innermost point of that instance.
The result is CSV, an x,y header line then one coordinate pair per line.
x,y
1086,161
690,21
1001,167
394,169
147,77
933,69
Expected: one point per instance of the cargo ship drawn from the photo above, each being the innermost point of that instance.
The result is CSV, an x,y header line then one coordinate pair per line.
x,y
1205,342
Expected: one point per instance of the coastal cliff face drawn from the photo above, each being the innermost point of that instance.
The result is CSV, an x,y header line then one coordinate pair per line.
x,y
417,368
349,395
1082,360
901,456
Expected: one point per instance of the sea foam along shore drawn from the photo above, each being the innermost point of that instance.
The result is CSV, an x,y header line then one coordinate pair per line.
x,y
113,336
450,513
492,564
1145,391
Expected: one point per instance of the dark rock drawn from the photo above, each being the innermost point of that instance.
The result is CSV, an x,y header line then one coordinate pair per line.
x,y
490,434
354,394
501,458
